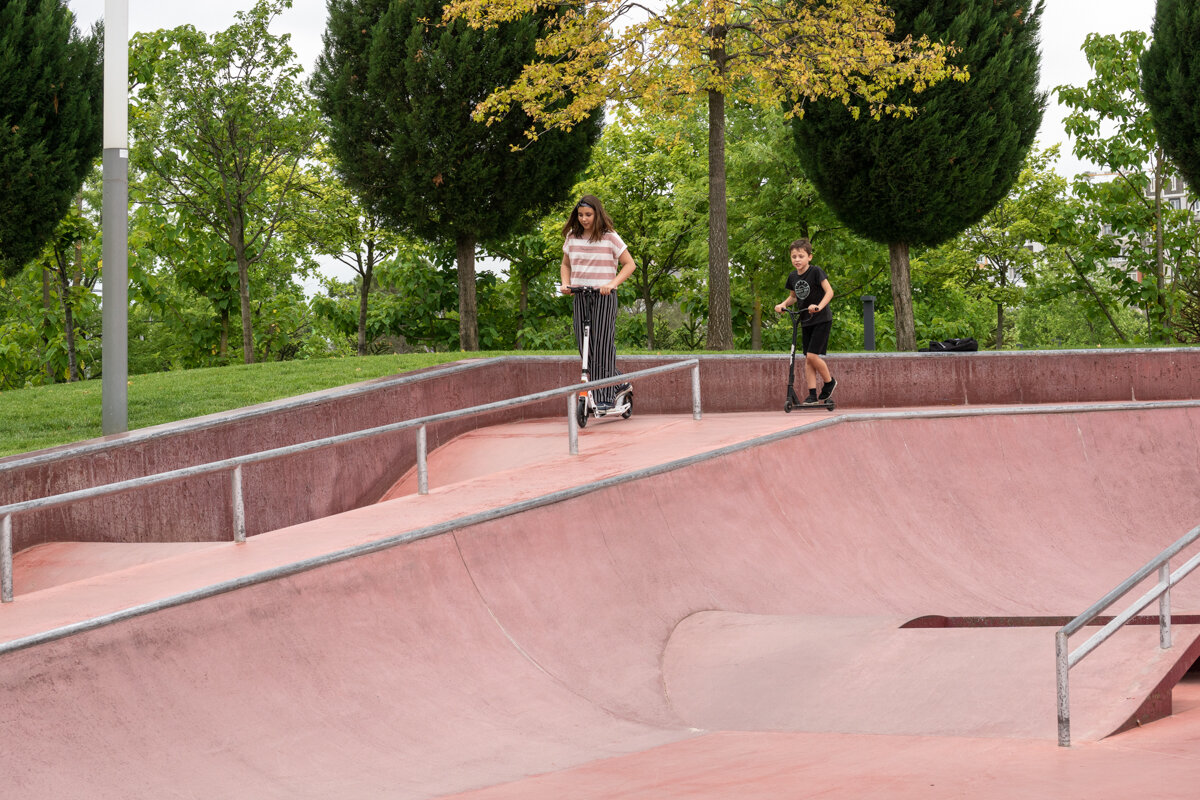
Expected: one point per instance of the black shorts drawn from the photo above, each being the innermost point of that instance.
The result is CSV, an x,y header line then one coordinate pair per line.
x,y
815,338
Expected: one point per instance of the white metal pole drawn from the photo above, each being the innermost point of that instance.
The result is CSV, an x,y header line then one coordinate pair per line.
x,y
422,463
1164,607
239,507
1062,674
115,215
572,425
6,559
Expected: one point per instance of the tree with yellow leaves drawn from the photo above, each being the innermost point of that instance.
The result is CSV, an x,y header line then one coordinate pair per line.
x,y
661,55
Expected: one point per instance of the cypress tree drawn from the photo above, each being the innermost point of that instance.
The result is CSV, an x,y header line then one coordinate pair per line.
x,y
399,87
1171,84
51,95
923,179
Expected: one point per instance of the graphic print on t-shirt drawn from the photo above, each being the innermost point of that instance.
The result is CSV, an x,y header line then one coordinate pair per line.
x,y
802,289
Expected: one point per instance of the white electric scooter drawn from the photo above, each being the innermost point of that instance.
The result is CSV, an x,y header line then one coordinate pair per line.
x,y
586,405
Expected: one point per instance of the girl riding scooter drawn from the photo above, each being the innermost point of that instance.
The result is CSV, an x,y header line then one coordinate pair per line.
x,y
592,253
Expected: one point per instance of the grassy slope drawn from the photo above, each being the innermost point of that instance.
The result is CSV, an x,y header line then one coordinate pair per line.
x,y
45,416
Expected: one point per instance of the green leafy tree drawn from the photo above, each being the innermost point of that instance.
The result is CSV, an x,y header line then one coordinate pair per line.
x,y
650,173
411,307
169,245
221,126
399,86
51,82
1187,324
1133,232
1171,83
778,53
533,259
64,265
340,226
772,204
49,313
920,180
999,254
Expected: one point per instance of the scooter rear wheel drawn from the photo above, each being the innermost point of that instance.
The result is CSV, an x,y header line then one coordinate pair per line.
x,y
581,414
629,411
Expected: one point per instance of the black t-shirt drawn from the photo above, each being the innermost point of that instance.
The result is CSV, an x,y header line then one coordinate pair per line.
x,y
809,292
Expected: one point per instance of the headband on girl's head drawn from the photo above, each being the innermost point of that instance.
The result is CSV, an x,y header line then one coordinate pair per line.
x,y
582,203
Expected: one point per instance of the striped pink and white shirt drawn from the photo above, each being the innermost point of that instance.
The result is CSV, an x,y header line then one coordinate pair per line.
x,y
593,263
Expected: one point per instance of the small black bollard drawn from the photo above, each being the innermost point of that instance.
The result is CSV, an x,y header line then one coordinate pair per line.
x,y
868,302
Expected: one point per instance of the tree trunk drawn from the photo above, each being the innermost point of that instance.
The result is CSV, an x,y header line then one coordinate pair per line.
x,y
1160,277
906,334
720,324
46,321
223,345
238,241
244,304
364,294
64,282
650,338
78,279
755,315
1095,296
756,326
468,316
1000,311
522,311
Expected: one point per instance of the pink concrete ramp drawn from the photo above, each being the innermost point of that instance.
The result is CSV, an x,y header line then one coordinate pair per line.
x,y
724,624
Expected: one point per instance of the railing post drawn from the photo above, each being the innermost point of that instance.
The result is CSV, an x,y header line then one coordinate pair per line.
x,y
422,464
696,392
1164,607
239,507
6,564
572,425
1062,674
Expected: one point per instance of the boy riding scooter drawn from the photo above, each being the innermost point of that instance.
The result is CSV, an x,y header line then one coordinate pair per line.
x,y
808,286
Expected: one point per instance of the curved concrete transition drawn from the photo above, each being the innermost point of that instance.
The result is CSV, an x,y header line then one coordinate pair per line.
x,y
726,625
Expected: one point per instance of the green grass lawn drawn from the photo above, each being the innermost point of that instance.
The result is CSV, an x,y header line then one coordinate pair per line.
x,y
45,416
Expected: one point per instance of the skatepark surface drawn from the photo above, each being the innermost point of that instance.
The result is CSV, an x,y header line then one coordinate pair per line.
x,y
745,606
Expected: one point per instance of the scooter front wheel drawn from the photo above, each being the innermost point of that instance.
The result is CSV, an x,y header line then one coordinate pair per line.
x,y
629,411
787,406
581,414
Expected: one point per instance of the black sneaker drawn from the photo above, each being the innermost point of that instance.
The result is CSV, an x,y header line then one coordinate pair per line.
x,y
811,400
603,407
827,390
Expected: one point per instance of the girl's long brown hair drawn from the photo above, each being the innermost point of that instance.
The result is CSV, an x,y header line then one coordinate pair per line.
x,y
602,225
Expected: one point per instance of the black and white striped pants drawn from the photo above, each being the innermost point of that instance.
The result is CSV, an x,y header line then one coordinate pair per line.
x,y
602,355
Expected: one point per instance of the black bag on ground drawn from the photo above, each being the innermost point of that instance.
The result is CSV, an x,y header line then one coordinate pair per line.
x,y
967,345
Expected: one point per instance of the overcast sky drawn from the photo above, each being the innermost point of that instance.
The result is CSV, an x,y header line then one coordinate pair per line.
x,y
1065,23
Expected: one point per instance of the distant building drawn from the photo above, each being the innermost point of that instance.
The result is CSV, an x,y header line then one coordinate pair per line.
x,y
1174,195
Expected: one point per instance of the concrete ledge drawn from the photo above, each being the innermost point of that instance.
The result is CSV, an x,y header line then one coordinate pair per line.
x,y
331,480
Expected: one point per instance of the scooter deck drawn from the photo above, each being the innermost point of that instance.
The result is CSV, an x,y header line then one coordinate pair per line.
x,y
828,405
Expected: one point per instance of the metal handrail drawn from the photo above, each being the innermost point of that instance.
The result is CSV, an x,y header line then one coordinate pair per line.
x,y
235,464
1161,591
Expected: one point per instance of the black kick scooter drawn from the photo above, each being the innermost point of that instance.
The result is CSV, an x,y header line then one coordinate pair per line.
x,y
793,401
586,405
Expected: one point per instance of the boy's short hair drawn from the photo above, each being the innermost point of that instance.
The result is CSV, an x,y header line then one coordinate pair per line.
x,y
801,244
